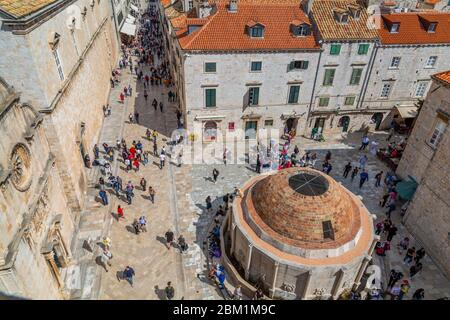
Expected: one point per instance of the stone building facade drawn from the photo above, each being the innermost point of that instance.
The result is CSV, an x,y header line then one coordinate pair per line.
x,y
297,234
36,224
59,55
346,73
426,159
413,46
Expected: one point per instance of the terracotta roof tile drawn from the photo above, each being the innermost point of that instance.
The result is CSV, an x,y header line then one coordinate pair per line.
x,y
443,76
20,8
412,29
227,31
330,29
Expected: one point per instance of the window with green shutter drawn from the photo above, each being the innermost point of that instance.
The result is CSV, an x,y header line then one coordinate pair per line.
x,y
329,77
210,67
253,96
356,76
210,95
335,49
349,101
298,64
324,101
363,49
293,94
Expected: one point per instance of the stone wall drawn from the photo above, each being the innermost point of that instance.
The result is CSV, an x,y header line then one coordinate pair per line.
x,y
428,217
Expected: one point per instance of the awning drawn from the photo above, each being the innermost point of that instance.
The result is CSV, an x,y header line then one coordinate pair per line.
x,y
406,189
133,7
208,117
131,19
407,112
129,29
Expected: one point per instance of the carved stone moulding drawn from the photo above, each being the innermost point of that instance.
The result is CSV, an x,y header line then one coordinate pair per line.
x,y
20,163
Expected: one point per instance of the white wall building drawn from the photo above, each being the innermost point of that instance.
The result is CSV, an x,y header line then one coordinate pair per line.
x,y
413,47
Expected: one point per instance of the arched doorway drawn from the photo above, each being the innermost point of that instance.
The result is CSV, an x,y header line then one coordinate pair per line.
x,y
344,122
377,118
210,131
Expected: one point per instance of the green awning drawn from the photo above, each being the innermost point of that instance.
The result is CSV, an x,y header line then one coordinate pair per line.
x,y
406,189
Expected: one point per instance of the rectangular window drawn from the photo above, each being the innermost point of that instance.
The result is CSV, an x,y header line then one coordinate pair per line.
x,y
363,49
231,126
253,96
395,63
349,101
386,90
293,94
329,77
438,132
328,232
257,32
268,123
335,49
431,62
324,101
299,64
190,4
210,67
420,89
256,66
210,98
58,64
356,76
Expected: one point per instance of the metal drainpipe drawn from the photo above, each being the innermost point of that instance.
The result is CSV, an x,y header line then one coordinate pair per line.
x,y
367,77
314,88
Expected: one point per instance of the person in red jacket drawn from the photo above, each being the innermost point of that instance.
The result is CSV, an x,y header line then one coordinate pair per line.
x,y
119,213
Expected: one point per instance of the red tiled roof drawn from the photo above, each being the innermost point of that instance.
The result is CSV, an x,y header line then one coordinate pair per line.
x,y
412,30
227,30
432,1
443,76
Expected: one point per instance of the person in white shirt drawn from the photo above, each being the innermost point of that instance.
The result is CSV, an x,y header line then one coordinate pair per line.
x,y
162,160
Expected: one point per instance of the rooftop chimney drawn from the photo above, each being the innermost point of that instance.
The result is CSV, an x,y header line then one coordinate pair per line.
x,y
233,7
307,6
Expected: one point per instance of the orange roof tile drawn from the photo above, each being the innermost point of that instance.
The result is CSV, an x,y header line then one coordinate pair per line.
x,y
330,29
443,76
227,30
165,3
20,8
432,1
412,30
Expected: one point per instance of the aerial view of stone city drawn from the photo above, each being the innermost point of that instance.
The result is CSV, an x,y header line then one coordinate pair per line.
x,y
225,150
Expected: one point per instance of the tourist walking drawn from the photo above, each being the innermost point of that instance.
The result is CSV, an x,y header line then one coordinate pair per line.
x,y
151,193
392,231
410,254
105,258
208,203
143,184
347,169
237,294
364,176
394,277
364,142
162,160
169,291
363,161
182,244
120,213
169,238
354,173
378,178
128,274
104,197
215,174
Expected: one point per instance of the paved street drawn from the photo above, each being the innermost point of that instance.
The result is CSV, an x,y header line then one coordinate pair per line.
x,y
180,207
